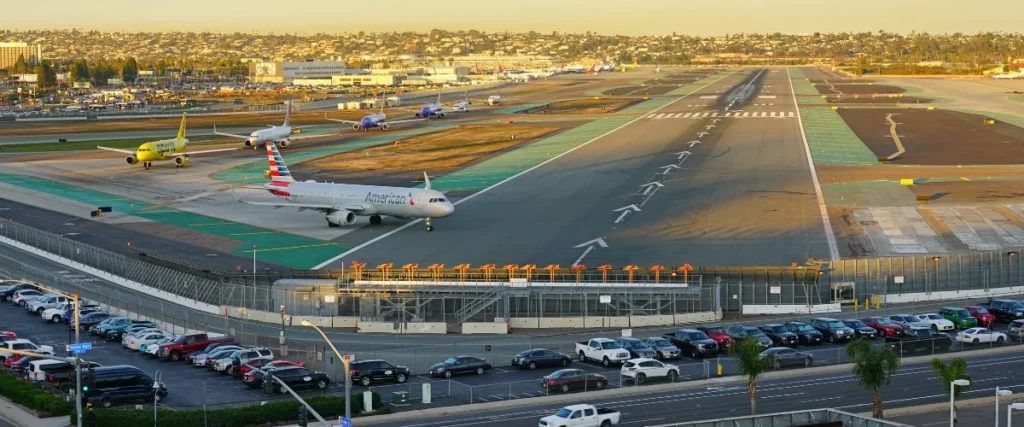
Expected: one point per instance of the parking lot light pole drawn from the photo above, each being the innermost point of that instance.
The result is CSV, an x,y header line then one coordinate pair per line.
x,y
952,392
345,362
74,297
1000,392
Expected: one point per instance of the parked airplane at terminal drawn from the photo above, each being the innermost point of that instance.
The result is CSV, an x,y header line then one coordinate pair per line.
x,y
278,134
374,120
342,202
1010,76
167,149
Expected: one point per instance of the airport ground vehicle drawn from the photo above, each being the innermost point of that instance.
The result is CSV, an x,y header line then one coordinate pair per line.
x,y
980,336
540,357
695,343
860,329
739,332
494,100
581,416
936,322
636,347
298,379
566,380
919,339
984,318
718,334
884,326
780,335
663,348
115,384
187,343
834,330
781,357
639,370
604,350
1005,310
460,365
367,372
960,317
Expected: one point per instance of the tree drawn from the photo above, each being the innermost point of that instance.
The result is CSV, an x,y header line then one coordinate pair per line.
x,y
752,366
129,70
873,367
79,71
20,65
46,74
956,369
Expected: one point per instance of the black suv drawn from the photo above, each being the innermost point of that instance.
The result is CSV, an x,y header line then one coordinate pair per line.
x,y
833,329
367,372
860,329
297,378
739,332
693,342
805,334
780,336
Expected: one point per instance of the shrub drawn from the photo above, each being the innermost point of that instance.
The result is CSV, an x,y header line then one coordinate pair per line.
x,y
32,397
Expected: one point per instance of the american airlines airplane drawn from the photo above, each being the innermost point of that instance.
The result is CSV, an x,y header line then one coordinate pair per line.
x,y
342,202
374,120
277,134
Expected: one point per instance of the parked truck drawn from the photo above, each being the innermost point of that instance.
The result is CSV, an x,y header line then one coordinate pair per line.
x,y
1005,310
187,343
494,100
604,350
581,416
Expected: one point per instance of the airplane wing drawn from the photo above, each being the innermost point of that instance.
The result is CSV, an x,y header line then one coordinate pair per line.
x,y
228,134
351,122
395,122
116,150
302,206
205,151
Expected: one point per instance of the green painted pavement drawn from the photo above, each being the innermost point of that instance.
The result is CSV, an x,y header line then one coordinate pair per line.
x,y
272,246
832,141
868,194
796,73
251,173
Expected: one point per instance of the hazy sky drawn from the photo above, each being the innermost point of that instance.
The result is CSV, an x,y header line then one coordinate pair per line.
x,y
632,17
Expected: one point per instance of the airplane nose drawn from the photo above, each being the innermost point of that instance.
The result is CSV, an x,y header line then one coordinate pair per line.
x,y
447,209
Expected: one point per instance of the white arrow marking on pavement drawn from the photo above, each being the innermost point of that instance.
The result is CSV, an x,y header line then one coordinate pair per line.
x,y
692,143
703,134
650,186
683,154
709,127
625,211
667,168
590,246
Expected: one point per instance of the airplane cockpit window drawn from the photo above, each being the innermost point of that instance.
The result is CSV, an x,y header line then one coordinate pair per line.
x,y
441,200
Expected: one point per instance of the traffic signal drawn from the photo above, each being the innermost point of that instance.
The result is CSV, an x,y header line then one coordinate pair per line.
x,y
302,417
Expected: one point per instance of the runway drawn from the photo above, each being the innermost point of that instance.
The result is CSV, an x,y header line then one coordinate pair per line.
x,y
741,195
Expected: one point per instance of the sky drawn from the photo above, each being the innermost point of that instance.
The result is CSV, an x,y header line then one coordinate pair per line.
x,y
626,17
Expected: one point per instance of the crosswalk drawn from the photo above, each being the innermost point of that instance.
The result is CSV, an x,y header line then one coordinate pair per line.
x,y
723,114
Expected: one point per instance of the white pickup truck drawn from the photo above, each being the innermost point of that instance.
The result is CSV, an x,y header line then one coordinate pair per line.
x,y
581,416
604,350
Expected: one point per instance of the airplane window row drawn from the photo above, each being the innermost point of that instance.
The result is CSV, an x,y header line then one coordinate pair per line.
x,y
437,200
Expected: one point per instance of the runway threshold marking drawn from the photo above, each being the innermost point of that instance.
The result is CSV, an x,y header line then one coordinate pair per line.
x,y
833,247
506,180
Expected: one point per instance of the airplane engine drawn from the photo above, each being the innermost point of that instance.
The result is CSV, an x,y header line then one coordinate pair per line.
x,y
249,144
440,115
419,115
385,127
339,218
181,161
356,126
131,160
284,143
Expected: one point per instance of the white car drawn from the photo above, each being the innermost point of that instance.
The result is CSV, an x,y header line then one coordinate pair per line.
x,y
25,296
980,335
936,322
137,340
36,368
126,338
152,349
23,345
639,370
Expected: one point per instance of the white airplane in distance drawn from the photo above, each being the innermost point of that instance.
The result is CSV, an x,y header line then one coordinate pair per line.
x,y
463,106
278,134
1010,76
342,202
374,120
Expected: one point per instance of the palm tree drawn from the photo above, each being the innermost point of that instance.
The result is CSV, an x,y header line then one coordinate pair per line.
x,y
752,366
947,373
873,367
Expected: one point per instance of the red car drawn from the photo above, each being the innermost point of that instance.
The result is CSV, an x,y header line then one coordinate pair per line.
x,y
985,318
9,334
884,326
718,334
262,363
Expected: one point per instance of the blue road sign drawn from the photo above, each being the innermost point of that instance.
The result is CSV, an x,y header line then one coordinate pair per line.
x,y
81,347
346,422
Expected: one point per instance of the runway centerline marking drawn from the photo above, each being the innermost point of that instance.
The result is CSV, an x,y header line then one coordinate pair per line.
x,y
506,180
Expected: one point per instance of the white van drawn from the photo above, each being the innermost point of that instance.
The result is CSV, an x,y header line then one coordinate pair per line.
x,y
35,368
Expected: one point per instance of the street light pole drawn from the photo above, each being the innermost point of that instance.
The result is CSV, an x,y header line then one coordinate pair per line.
x,y
1009,412
952,393
254,267
1000,392
345,362
78,365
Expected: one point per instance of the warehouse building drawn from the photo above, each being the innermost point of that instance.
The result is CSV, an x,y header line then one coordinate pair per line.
x,y
287,72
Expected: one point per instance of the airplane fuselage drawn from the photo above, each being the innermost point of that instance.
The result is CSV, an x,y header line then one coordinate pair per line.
x,y
430,110
372,121
397,202
160,150
276,133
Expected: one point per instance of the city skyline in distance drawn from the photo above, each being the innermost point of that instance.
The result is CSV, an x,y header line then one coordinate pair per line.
x,y
606,17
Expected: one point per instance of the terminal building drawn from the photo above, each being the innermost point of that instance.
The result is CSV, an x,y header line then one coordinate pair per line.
x,y
9,53
287,72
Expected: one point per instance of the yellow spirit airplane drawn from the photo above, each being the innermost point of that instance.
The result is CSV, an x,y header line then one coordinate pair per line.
x,y
166,149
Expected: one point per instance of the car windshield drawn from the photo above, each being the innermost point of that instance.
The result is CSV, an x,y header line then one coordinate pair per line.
x,y
778,329
661,342
836,324
855,324
962,313
981,310
933,316
804,328
698,336
754,332
883,321
563,413
610,345
640,345
180,338
1017,306
451,361
715,330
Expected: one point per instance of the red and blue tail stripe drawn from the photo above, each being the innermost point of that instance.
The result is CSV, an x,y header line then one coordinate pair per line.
x,y
278,169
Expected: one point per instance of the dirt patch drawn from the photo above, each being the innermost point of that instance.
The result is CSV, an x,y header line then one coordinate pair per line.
x,y
839,80
882,99
172,122
582,106
850,235
446,149
850,89
938,137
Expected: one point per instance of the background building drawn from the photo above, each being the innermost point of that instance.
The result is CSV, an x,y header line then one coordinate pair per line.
x,y
9,53
287,72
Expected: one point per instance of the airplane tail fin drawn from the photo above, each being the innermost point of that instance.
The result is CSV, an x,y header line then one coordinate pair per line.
x,y
278,169
181,128
426,181
288,114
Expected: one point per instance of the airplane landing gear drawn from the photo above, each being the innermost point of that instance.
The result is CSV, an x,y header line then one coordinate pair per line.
x,y
430,226
147,165
375,219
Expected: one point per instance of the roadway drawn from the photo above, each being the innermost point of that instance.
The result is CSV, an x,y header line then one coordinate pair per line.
x,y
717,177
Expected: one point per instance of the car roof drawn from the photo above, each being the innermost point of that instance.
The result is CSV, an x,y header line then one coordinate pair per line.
x,y
640,359
629,338
688,330
47,361
116,368
772,324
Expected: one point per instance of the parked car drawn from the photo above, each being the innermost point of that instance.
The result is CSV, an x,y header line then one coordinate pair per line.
x,y
24,296
639,370
63,376
19,364
35,371
254,378
460,365
919,339
140,332
110,385
860,329
7,291
9,335
663,348
44,302
1005,310
257,364
960,317
208,349
936,322
636,347
56,314
187,343
101,327
540,357
739,332
780,336
908,321
982,315
236,360
581,416
834,330
152,349
114,332
89,320
604,350
806,334
1015,331
138,340
718,334
884,326
566,380
208,360
23,345
368,372
781,357
692,342
980,336
299,379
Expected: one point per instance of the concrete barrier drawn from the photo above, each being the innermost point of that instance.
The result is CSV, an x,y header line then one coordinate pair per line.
x,y
637,321
427,328
378,328
345,322
701,317
484,328
948,295
560,322
792,309
525,322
